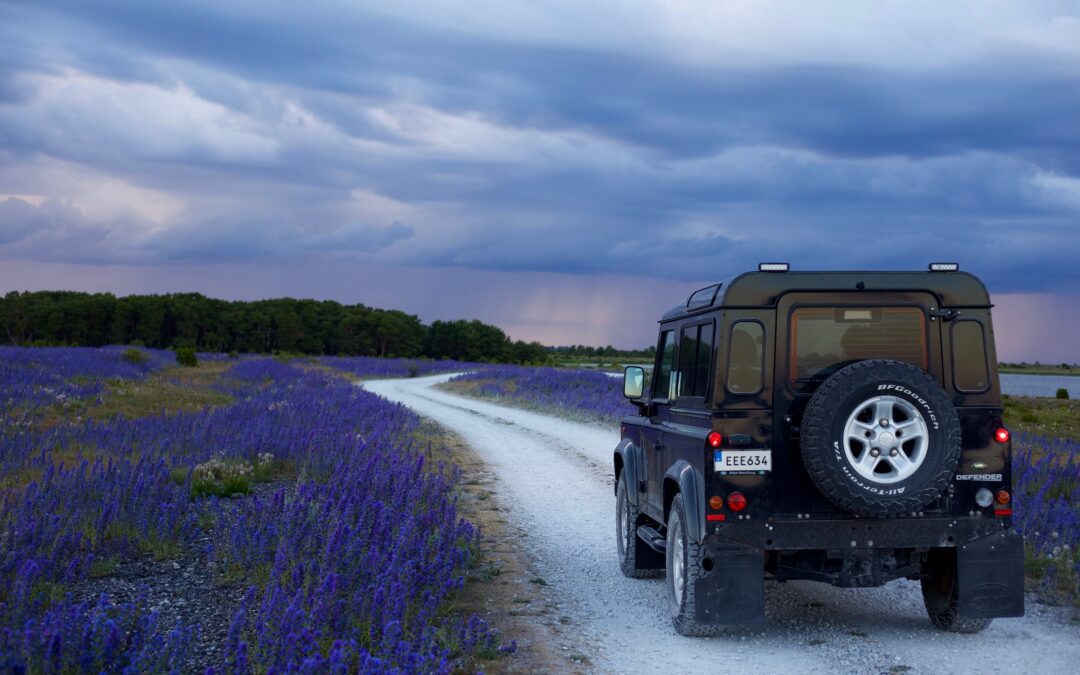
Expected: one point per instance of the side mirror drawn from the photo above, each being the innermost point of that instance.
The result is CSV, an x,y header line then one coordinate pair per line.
x,y
633,384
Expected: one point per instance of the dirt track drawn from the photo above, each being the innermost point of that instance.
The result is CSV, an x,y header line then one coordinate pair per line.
x,y
555,481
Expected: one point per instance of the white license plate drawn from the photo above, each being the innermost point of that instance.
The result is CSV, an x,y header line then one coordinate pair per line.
x,y
742,461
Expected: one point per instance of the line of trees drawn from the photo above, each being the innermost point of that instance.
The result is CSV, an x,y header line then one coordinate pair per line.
x,y
264,326
582,351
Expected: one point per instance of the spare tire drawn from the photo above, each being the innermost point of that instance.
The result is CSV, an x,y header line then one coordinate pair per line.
x,y
880,439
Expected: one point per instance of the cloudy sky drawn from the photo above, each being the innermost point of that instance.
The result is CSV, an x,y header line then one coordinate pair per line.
x,y
552,166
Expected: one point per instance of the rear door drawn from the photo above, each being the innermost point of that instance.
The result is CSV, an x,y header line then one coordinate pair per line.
x,y
689,417
820,333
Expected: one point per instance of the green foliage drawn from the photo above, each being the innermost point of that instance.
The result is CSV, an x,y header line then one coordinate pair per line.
x,y
134,356
221,478
226,478
476,341
185,356
280,326
1062,393
1054,418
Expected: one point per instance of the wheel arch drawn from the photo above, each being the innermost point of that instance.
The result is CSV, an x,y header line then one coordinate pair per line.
x,y
625,460
682,478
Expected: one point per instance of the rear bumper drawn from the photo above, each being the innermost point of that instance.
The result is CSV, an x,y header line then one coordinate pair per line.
x,y
855,533
989,562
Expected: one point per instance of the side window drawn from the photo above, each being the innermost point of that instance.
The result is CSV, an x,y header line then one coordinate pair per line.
x,y
970,370
662,382
746,358
695,354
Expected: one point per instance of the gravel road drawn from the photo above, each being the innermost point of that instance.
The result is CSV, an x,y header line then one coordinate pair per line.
x,y
555,481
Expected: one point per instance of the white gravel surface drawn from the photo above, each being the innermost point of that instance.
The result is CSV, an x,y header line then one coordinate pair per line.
x,y
554,478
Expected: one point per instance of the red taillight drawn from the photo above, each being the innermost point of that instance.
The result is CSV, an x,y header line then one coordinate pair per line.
x,y
1001,435
1002,497
716,517
715,439
736,501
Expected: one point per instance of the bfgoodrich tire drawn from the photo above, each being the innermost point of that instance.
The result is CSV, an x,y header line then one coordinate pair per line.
x,y
684,560
626,521
939,589
880,439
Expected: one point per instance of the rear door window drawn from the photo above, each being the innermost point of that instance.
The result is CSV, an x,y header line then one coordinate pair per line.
x,y
971,371
825,339
746,358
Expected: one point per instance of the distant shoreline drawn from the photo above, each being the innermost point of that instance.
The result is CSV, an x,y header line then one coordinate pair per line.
x,y
1040,370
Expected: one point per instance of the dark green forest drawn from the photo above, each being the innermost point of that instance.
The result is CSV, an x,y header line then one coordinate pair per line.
x,y
264,326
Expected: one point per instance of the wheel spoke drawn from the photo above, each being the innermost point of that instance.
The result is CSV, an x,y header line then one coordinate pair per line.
x,y
861,439
909,430
863,425
900,462
868,461
883,410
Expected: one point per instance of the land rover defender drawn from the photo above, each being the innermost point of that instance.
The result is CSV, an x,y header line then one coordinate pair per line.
x,y
841,427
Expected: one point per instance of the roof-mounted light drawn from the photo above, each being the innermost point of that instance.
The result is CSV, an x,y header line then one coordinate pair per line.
x,y
944,267
773,267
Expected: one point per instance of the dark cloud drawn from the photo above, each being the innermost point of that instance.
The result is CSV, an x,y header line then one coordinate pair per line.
x,y
541,154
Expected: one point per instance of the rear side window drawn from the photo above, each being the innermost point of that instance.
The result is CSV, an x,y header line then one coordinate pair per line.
x,y
746,358
695,353
970,370
662,380
825,339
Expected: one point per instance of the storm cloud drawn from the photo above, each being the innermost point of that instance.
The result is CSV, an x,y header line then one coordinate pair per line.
x,y
675,140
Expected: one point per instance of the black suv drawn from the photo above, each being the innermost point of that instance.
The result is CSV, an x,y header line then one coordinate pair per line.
x,y
843,427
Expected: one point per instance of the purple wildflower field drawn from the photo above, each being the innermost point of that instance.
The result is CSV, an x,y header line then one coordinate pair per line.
x,y
33,378
1046,471
345,561
583,394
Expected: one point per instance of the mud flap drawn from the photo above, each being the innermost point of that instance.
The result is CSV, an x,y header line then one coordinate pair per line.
x,y
990,577
733,591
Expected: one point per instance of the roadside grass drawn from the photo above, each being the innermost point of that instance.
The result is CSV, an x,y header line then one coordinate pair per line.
x,y
1053,578
482,390
475,390
499,585
172,390
1047,417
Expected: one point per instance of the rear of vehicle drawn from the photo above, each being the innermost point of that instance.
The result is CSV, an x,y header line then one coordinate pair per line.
x,y
854,437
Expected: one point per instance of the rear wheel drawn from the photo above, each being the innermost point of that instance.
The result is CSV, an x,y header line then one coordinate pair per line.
x,y
684,558
940,594
626,521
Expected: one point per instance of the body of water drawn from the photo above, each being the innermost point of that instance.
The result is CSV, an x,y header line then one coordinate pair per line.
x,y
1039,385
